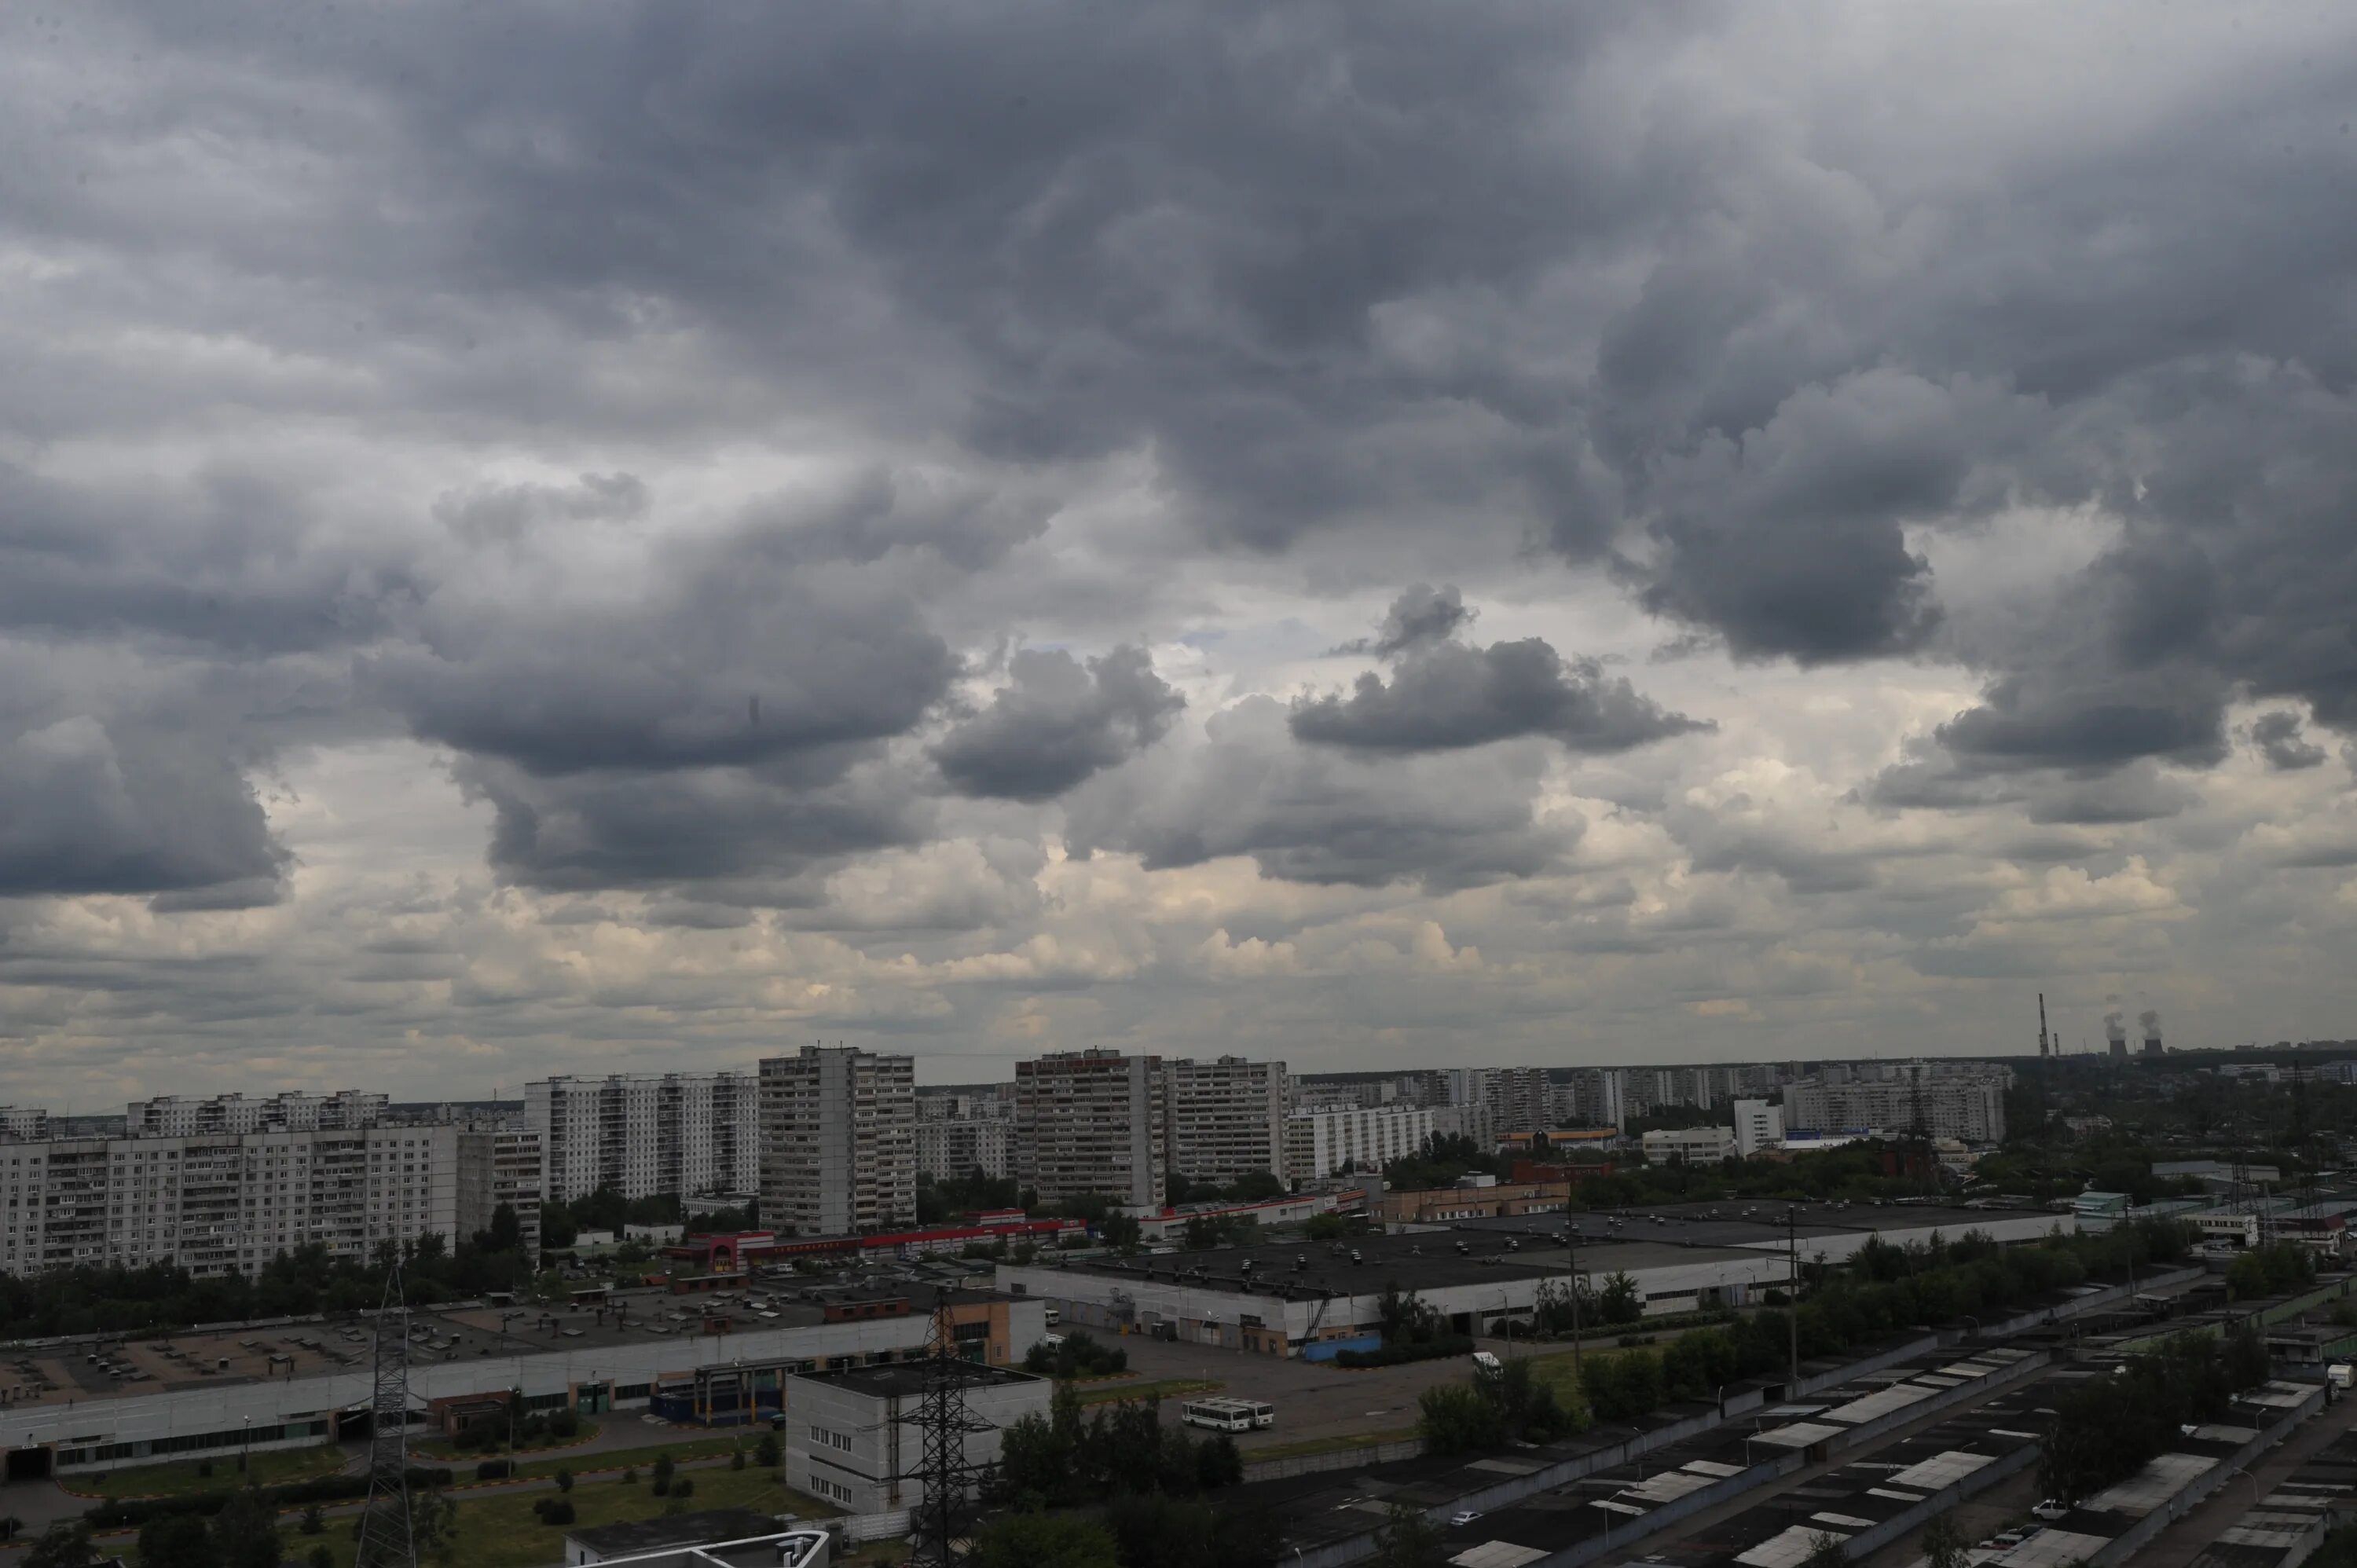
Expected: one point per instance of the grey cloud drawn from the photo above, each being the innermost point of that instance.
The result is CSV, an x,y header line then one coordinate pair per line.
x,y
1311,814
1447,696
1056,723
135,810
505,513
1421,614
2278,737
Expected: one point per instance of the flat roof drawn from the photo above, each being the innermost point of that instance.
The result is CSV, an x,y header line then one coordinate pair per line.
x,y
1420,1260
908,1380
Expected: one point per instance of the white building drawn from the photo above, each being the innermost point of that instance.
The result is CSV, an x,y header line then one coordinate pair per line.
x,y
1322,1142
1758,1125
500,1165
851,1438
646,1134
951,1149
1226,1117
838,1141
223,1203
1091,1123
1688,1145
172,1116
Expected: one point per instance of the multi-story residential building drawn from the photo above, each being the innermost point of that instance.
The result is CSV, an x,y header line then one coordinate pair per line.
x,y
172,1116
1319,1142
950,1149
1598,1097
223,1203
1758,1125
500,1165
23,1121
1226,1117
1959,1099
1091,1123
647,1134
838,1141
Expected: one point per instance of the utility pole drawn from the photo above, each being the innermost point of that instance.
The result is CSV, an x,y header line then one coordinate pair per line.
x,y
1793,1294
946,1426
1571,1249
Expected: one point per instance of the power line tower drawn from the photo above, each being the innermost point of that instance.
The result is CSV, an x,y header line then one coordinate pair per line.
x,y
945,1425
388,1538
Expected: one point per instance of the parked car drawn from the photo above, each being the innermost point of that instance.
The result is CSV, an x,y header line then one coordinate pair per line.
x,y
1464,1516
2050,1508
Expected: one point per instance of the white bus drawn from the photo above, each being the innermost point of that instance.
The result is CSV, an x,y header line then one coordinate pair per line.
x,y
1227,1415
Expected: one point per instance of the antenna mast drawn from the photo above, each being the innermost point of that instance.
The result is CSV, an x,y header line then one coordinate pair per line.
x,y
388,1539
2045,1041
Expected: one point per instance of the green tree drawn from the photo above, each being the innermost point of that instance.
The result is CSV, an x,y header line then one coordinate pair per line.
x,y
246,1532
1825,1552
663,1468
1043,1541
65,1544
314,1521
1407,1541
434,1524
181,1541
1620,1301
765,1453
1943,1544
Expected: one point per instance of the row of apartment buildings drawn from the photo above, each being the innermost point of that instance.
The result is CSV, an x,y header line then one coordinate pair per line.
x,y
227,1202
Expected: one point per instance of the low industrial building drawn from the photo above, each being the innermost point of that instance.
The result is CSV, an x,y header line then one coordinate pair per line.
x,y
710,1538
1282,1299
853,1437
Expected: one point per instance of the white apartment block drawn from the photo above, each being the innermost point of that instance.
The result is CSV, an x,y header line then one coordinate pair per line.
x,y
1758,1125
1319,1142
1092,1121
838,1141
499,1165
224,1203
1689,1145
646,1134
1960,1100
1226,1117
950,1150
21,1121
172,1116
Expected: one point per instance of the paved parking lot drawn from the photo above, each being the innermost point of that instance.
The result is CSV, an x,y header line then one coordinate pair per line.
x,y
1313,1399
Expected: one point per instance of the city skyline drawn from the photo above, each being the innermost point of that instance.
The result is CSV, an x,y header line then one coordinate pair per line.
x,y
610,541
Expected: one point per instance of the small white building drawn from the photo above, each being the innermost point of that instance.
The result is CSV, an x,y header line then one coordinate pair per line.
x,y
1693,1145
712,1537
852,1436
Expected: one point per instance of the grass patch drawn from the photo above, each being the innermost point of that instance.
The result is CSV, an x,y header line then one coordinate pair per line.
x,y
642,1455
442,1453
500,1529
1309,1447
177,1477
1160,1388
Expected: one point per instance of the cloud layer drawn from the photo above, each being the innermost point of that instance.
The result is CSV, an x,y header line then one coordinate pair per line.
x,y
563,535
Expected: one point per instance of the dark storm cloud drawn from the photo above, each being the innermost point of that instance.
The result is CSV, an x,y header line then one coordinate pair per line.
x,y
1056,722
1312,814
2278,737
505,513
1421,614
1446,696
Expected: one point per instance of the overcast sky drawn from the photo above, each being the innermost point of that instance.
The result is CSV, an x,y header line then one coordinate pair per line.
x,y
565,536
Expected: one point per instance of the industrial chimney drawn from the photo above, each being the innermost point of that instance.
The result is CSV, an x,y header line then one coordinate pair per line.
x,y
2151,1022
2116,1030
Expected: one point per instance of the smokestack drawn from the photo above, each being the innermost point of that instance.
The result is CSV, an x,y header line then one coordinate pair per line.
x,y
2116,1030
2151,1022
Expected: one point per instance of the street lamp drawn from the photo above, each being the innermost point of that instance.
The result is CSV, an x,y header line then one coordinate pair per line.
x,y
2238,1470
515,1398
245,1449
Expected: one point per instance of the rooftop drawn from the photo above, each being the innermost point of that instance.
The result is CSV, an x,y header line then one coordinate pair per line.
x,y
910,1380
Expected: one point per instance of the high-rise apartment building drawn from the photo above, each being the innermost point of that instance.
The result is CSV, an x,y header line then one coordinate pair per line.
x,y
499,1165
172,1116
18,1122
1322,1142
952,1148
646,1134
1758,1125
838,1141
1959,1099
223,1203
1226,1117
1091,1123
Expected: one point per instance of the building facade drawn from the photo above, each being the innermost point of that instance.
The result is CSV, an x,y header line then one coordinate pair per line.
x,y
172,1116
1091,1123
225,1203
1322,1142
646,1134
1758,1125
950,1149
1226,1117
500,1165
1959,1099
852,1438
1688,1145
838,1141
23,1121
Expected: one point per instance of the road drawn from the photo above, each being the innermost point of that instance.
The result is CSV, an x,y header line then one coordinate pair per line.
x,y
1313,1399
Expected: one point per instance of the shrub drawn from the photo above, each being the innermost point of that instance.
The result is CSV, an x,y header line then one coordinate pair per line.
x,y
563,1479
737,1458
321,1557
493,1470
554,1510
765,1453
314,1521
630,1476
1437,1348
683,1488
663,1468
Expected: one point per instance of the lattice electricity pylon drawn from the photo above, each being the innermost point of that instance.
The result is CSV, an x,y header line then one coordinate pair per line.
x,y
952,1481
388,1538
